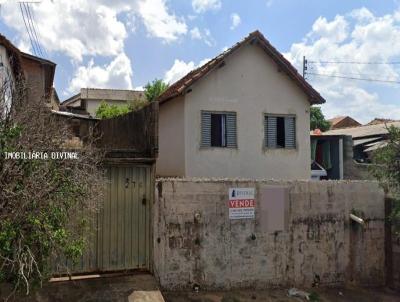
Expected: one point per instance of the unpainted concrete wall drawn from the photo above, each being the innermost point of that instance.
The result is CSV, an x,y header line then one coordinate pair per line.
x,y
195,242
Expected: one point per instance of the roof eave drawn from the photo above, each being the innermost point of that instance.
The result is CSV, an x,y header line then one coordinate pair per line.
x,y
255,37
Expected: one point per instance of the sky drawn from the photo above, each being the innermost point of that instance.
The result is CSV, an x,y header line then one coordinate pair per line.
x,y
125,44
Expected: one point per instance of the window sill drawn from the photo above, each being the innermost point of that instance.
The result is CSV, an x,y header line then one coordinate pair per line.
x,y
218,148
265,149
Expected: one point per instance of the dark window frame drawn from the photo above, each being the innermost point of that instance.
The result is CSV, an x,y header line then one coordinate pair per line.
x,y
280,133
225,141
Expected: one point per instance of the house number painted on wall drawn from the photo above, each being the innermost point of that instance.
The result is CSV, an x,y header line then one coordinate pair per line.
x,y
241,203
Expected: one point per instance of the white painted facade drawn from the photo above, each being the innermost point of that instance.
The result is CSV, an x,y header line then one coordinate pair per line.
x,y
7,78
250,84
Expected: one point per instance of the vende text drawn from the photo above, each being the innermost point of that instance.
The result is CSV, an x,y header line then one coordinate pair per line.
x,y
242,203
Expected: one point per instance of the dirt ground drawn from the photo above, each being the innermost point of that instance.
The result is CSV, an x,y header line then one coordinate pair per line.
x,y
139,287
281,295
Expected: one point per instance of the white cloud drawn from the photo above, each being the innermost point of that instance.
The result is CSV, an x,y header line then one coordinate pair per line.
x,y
159,21
195,33
117,74
235,19
85,28
362,14
336,30
201,6
180,68
359,36
89,28
205,36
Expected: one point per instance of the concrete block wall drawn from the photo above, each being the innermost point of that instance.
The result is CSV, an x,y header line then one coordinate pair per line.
x,y
195,242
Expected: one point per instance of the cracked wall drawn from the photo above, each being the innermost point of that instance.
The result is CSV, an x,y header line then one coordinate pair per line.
x,y
195,242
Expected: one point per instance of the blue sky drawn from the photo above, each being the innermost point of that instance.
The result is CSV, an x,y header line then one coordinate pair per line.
x,y
125,44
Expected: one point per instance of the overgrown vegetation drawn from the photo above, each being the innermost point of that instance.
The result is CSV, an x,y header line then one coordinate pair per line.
x,y
152,91
106,110
386,168
317,119
45,204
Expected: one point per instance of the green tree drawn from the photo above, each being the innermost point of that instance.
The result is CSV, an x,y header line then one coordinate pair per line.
x,y
154,89
106,110
317,119
386,168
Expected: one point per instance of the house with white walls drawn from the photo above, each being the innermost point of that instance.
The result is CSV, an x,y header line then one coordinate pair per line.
x,y
245,113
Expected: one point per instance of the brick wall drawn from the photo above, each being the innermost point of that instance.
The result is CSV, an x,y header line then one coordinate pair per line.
x,y
195,242
34,79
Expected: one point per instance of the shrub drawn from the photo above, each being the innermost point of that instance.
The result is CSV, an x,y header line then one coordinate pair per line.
x,y
44,204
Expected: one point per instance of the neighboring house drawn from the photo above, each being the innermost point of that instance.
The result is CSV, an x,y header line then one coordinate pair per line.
x,y
10,68
39,78
89,99
37,73
331,155
366,139
377,120
245,113
343,122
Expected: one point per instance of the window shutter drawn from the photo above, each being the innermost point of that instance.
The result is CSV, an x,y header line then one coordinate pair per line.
x,y
290,132
205,129
231,135
270,131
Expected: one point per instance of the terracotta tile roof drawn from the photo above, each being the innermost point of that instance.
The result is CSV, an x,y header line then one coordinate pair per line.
x,y
343,122
179,87
336,119
377,120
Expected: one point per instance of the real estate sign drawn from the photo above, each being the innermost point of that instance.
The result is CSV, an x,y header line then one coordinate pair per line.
x,y
241,203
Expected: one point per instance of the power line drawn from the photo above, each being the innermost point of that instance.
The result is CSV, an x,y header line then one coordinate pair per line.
x,y
353,78
35,23
362,75
27,7
29,23
28,30
354,62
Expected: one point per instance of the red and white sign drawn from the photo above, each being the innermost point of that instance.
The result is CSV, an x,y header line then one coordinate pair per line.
x,y
241,203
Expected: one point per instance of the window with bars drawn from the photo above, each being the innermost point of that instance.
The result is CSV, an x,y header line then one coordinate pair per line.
x,y
218,129
279,132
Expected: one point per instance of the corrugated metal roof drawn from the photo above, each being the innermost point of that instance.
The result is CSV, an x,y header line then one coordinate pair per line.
x,y
365,140
363,131
75,115
376,146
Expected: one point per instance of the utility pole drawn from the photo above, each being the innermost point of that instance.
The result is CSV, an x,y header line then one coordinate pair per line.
x,y
304,67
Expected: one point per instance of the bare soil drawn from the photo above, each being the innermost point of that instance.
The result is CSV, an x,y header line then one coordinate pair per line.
x,y
281,295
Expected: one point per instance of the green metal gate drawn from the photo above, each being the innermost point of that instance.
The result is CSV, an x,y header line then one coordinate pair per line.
x,y
123,234
120,233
